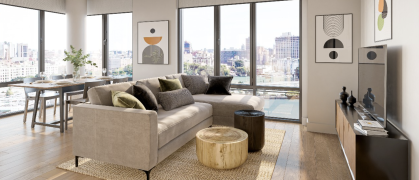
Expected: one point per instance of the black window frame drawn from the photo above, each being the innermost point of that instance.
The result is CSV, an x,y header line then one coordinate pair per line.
x,y
253,85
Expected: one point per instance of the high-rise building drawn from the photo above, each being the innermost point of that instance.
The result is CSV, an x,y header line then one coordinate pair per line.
x,y
187,47
22,50
287,46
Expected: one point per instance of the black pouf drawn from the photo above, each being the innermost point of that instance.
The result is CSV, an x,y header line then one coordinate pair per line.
x,y
253,123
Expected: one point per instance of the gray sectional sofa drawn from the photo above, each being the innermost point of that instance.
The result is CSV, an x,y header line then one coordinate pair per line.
x,y
142,138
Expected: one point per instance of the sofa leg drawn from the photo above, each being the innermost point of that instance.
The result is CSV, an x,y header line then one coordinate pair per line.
x,y
77,161
147,173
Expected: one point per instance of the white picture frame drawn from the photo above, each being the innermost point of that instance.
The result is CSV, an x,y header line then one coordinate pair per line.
x,y
153,42
383,20
334,38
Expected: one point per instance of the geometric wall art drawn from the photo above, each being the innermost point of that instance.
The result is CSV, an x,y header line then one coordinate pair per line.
x,y
383,20
153,42
334,38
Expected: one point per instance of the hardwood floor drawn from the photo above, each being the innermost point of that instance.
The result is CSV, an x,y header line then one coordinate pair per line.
x,y
27,153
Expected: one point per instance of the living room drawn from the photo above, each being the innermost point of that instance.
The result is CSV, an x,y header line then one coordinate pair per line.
x,y
202,71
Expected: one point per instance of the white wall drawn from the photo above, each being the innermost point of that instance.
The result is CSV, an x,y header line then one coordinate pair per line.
x,y
402,68
76,26
325,80
304,61
146,10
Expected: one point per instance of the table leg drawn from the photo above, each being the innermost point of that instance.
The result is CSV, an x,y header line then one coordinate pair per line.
x,y
61,110
35,108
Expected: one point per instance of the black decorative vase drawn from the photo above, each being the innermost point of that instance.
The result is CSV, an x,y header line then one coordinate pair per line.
x,y
344,95
351,100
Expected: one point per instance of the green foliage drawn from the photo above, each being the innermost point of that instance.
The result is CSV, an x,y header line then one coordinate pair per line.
x,y
9,92
224,70
239,63
77,58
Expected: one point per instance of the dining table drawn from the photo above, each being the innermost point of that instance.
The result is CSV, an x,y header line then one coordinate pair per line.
x,y
61,88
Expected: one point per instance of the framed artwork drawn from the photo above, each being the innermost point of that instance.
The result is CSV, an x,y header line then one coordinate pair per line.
x,y
334,38
153,42
383,20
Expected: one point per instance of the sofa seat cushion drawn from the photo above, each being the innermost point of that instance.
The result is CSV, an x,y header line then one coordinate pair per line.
x,y
171,124
226,105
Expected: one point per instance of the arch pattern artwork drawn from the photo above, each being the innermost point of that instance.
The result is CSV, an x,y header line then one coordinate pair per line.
x,y
383,20
334,38
153,42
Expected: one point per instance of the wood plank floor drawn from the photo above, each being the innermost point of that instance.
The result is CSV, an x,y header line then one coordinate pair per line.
x,y
27,153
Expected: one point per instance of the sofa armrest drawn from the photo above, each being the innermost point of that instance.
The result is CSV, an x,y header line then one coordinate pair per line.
x,y
116,135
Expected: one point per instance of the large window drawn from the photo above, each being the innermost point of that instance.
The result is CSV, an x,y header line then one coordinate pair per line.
x,y
235,42
120,44
198,41
18,53
94,43
18,43
55,43
278,44
257,43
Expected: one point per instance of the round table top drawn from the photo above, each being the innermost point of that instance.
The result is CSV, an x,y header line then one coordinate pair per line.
x,y
221,135
250,113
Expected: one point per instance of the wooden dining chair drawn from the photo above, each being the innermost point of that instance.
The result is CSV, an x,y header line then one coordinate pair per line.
x,y
43,97
87,86
119,80
67,95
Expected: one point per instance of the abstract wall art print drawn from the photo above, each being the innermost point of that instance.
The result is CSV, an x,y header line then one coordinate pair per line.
x,y
334,38
153,42
383,20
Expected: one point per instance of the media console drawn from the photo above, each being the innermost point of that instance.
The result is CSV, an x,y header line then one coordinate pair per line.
x,y
370,157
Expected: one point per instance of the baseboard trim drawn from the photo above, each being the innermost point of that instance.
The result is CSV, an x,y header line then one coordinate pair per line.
x,y
321,128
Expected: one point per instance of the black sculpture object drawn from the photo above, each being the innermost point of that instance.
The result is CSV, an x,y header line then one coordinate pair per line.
x,y
351,100
344,95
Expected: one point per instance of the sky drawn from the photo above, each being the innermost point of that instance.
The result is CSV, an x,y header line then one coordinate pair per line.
x,y
273,19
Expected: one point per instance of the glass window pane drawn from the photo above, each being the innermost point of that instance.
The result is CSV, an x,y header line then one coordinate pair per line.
x,y
198,41
277,55
281,103
120,44
94,43
18,43
55,43
18,53
235,42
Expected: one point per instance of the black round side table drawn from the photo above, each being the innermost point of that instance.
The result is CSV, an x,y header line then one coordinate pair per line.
x,y
253,123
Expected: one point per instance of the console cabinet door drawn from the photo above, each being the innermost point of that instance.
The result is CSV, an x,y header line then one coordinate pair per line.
x,y
339,124
350,145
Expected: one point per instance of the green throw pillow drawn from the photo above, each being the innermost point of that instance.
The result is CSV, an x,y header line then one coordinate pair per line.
x,y
169,84
125,100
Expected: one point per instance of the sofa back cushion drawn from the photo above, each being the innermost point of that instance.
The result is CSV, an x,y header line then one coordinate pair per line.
x,y
177,76
102,95
153,84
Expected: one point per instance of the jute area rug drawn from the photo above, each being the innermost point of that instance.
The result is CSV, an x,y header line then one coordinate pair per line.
x,y
184,165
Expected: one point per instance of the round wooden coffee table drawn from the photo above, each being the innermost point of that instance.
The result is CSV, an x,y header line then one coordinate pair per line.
x,y
221,147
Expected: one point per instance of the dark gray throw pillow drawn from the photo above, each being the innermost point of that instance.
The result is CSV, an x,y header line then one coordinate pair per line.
x,y
195,84
173,99
145,96
219,85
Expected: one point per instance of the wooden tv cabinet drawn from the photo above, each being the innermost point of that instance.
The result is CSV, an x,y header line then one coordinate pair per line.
x,y
370,157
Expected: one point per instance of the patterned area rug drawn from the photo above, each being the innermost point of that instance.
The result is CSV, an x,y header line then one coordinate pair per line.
x,y
183,164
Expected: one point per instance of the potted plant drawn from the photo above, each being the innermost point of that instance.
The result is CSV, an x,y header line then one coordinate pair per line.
x,y
78,60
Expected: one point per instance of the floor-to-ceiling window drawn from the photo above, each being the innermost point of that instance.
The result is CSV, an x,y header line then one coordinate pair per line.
x,y
198,41
234,46
120,44
109,43
257,43
18,54
55,43
94,43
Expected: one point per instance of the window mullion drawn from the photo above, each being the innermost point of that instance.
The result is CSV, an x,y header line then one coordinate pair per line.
x,y
253,46
41,42
217,43
105,42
